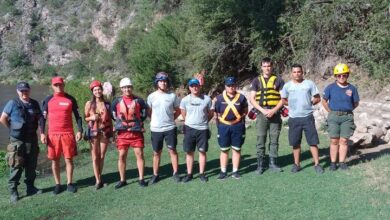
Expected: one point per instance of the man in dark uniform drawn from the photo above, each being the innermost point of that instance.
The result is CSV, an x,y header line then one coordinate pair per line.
x,y
231,108
21,115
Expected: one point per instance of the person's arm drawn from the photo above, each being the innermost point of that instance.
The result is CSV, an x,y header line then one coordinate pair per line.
x,y
177,112
87,116
78,118
4,119
183,113
255,104
42,123
326,105
285,101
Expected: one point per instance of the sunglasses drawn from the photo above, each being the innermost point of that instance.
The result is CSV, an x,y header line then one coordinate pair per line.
x,y
342,75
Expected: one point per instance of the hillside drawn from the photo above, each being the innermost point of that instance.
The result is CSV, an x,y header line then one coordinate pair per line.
x,y
110,38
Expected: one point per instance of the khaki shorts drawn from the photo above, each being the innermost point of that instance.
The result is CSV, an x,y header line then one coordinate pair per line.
x,y
340,125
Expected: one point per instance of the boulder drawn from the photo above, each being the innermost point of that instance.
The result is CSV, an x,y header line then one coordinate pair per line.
x,y
362,139
377,132
386,138
385,107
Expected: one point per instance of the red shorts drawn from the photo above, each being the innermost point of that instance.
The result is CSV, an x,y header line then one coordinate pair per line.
x,y
126,139
61,144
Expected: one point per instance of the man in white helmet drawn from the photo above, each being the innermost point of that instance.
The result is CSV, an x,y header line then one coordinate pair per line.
x,y
129,112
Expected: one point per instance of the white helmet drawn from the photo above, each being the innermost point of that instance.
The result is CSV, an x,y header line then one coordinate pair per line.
x,y
125,82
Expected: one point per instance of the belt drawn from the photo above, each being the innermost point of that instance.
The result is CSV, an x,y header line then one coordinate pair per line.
x,y
339,113
268,107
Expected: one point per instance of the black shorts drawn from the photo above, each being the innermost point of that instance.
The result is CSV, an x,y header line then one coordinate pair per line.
x,y
196,138
299,125
158,138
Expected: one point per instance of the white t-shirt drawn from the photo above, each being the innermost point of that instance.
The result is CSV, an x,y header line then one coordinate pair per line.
x,y
163,107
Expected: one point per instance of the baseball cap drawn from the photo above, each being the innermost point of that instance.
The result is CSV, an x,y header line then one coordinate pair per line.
x,y
125,82
193,82
230,81
22,86
57,80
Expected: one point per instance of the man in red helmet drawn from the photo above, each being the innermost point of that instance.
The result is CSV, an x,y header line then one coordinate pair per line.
x,y
60,137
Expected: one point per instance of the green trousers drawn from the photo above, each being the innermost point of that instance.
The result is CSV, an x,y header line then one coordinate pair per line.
x,y
268,126
25,158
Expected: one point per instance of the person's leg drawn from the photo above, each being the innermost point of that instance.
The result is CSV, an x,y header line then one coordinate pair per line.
x,y
274,132
297,155
157,145
122,163
95,154
174,160
156,162
224,159
343,149
139,154
262,125
55,166
171,141
314,153
190,161
69,170
202,162
334,149
236,158
103,150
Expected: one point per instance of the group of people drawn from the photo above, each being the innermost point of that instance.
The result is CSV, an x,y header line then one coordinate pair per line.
x,y
124,120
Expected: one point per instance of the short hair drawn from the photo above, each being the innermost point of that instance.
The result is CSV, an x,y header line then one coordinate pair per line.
x,y
266,60
295,65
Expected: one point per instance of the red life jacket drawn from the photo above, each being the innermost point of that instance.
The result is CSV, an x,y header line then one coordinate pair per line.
x,y
104,124
128,116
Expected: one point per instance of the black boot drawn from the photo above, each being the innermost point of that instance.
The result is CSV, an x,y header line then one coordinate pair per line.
x,y
273,165
260,166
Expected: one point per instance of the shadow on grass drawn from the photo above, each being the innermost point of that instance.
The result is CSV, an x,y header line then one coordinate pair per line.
x,y
359,157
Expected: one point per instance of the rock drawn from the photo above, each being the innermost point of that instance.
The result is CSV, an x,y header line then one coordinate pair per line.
x,y
385,107
362,139
377,132
361,128
386,116
363,116
386,138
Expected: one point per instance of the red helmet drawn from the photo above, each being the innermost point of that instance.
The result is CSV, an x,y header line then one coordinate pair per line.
x,y
94,84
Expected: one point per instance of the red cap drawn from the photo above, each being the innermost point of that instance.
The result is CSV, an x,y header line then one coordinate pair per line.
x,y
57,80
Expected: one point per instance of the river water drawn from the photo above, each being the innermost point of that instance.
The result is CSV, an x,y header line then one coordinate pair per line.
x,y
8,92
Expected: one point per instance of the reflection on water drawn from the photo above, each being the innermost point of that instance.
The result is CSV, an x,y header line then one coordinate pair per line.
x,y
9,92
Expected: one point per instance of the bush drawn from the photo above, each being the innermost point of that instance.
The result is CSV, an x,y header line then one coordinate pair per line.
x,y
18,58
3,163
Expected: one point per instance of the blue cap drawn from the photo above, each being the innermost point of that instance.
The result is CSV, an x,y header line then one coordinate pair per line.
x,y
22,86
230,81
193,82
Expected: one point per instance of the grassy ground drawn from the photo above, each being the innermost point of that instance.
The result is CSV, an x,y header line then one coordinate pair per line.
x,y
360,193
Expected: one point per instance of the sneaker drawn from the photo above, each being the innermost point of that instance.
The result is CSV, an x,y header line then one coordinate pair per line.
x,y
71,188
120,184
343,166
295,168
14,196
318,168
32,190
57,189
333,167
187,178
203,178
222,175
142,183
236,175
99,185
176,177
154,179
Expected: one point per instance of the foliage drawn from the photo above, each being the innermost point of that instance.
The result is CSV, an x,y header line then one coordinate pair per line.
x,y
18,58
3,163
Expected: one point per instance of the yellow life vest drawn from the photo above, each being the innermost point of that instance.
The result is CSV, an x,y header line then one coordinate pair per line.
x,y
268,95
230,107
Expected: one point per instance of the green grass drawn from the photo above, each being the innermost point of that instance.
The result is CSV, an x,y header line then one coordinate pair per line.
x,y
361,193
